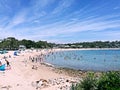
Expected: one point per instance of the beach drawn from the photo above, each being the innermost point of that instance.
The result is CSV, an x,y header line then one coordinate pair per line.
x,y
23,76
29,70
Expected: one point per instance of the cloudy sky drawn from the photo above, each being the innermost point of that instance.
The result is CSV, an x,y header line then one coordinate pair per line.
x,y
60,21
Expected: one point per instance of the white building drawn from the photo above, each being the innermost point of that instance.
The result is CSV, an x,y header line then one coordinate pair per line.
x,y
22,47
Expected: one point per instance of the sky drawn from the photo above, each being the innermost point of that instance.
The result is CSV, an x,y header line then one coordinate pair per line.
x,y
60,21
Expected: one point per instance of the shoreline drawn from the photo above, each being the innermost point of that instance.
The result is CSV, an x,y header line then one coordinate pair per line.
x,y
67,49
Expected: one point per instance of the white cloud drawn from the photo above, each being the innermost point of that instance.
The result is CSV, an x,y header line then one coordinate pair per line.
x,y
63,4
44,3
65,28
57,31
116,7
40,4
17,19
42,25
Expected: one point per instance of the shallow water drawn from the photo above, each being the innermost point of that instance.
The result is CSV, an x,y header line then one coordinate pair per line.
x,y
95,60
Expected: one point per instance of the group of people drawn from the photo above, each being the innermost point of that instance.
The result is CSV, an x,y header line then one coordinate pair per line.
x,y
4,64
37,58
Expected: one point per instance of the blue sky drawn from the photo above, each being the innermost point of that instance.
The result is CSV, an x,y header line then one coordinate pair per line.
x,y
60,21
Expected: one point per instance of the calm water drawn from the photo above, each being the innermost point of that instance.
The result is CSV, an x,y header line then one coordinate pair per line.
x,y
96,60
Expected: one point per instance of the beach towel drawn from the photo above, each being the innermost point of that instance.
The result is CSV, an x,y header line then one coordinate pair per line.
x,y
2,67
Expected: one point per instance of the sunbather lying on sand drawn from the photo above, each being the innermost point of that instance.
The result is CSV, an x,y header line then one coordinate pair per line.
x,y
3,67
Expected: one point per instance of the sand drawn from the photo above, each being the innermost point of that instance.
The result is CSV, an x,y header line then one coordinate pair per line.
x,y
21,76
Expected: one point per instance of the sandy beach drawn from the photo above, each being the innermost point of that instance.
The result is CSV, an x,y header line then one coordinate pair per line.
x,y
22,75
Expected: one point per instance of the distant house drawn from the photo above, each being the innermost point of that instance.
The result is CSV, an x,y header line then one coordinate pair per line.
x,y
80,46
0,40
22,47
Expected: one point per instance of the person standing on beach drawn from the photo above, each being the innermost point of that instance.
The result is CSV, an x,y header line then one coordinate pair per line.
x,y
7,62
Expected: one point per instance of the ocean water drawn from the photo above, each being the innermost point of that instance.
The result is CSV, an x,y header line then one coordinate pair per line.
x,y
95,60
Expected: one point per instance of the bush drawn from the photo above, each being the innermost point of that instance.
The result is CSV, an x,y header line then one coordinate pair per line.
x,y
88,83
76,87
107,81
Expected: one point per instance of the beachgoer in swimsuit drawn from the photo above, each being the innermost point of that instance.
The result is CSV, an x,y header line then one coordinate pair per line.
x,y
7,62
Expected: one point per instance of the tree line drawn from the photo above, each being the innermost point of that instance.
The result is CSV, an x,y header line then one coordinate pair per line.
x,y
12,43
95,44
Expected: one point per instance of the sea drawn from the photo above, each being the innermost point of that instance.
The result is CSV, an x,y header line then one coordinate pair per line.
x,y
87,60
